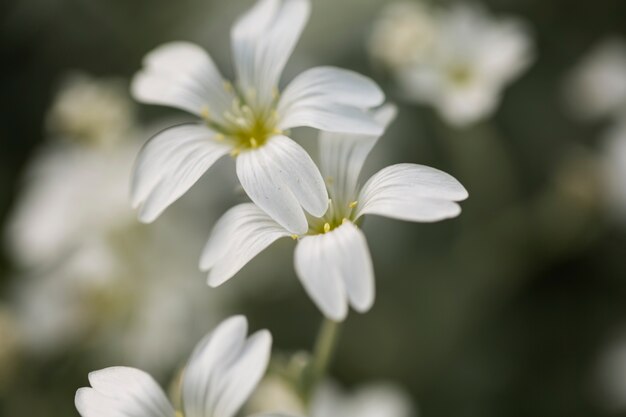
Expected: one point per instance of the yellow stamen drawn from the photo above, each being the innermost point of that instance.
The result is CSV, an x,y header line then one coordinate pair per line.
x,y
235,152
344,221
353,204
326,227
294,237
254,143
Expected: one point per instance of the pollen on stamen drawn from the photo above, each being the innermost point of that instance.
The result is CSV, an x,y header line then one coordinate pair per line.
x,y
326,227
253,142
353,204
235,152
294,237
344,220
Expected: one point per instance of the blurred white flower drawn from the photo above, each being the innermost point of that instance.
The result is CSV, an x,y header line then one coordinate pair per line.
x,y
463,71
332,258
89,274
597,86
613,158
94,111
221,373
403,35
248,120
275,393
372,400
70,194
379,399
610,376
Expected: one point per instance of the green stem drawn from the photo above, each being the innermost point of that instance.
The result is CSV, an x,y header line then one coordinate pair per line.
x,y
322,356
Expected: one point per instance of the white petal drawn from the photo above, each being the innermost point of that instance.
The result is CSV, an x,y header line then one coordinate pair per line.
x,y
336,268
124,392
244,374
224,369
182,75
331,99
201,385
343,156
411,192
282,179
169,164
238,236
262,42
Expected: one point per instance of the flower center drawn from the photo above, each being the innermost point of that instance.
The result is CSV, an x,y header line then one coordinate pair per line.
x,y
333,218
246,124
460,74
250,129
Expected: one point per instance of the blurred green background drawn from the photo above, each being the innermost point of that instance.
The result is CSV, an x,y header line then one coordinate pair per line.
x,y
504,311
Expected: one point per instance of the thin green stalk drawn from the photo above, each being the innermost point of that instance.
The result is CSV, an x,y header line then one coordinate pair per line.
x,y
322,357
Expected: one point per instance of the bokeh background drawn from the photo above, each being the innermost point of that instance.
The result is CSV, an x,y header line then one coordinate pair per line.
x,y
516,308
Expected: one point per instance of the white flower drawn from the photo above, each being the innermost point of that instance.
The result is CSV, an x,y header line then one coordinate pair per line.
x,y
222,372
332,259
613,166
372,400
610,375
86,269
89,110
403,34
377,399
597,87
71,193
472,58
250,119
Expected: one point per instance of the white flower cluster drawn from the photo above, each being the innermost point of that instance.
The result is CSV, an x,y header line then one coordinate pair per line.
x,y
250,119
457,59
86,268
596,90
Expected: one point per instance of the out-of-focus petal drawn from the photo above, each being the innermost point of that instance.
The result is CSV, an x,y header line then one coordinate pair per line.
x,y
122,392
224,369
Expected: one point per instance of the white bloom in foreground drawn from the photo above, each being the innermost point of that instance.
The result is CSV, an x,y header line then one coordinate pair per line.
x,y
597,87
332,259
249,119
377,399
464,70
372,400
221,374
